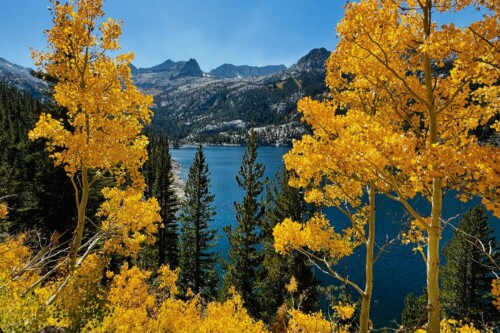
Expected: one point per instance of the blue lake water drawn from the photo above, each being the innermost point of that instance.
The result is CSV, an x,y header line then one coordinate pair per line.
x,y
397,272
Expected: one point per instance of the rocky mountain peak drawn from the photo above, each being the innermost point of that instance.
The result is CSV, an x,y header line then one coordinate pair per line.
x,y
190,68
166,66
315,59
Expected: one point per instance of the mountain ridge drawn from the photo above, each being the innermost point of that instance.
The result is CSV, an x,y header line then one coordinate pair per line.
x,y
230,71
193,106
216,110
22,79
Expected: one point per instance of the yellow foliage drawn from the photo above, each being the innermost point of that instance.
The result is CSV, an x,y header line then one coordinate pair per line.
x,y
406,94
168,279
292,286
495,291
311,323
81,299
129,219
317,234
106,111
454,326
229,316
344,311
3,210
20,312
101,133
129,302
135,307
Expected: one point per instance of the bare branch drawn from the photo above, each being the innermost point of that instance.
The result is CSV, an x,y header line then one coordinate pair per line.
x,y
329,270
382,249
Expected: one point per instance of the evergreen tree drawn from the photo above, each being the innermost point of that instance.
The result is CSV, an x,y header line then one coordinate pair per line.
x,y
197,238
159,176
284,201
245,239
414,313
467,275
40,196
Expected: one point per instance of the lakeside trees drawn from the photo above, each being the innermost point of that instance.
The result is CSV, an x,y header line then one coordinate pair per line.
x,y
394,154
411,125
244,253
197,239
159,175
467,273
283,201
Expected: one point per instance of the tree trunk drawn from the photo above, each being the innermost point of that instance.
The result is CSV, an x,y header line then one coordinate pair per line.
x,y
364,318
434,228
76,242
434,231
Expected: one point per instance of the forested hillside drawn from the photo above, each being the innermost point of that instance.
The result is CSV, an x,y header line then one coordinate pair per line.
x,y
38,194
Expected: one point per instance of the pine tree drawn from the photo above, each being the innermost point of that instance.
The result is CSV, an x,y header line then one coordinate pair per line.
x,y
159,176
245,257
197,238
467,275
39,194
414,313
284,201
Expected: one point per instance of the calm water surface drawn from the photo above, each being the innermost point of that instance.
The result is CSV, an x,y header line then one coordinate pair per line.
x,y
397,272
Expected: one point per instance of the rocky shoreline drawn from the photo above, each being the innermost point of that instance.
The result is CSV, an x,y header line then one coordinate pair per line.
x,y
179,183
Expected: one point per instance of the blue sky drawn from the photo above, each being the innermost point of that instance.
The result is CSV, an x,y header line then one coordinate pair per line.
x,y
250,32
241,32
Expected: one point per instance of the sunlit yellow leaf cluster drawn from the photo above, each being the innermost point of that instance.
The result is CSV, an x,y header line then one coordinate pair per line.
x,y
106,112
454,326
20,312
495,291
292,286
135,307
129,302
129,219
415,233
312,323
370,72
132,302
344,311
81,298
3,210
100,134
406,96
317,235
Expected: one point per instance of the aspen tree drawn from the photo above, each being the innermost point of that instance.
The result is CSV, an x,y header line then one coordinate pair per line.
x,y
102,132
413,91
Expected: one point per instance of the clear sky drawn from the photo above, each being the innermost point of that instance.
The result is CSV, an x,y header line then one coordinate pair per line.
x,y
241,32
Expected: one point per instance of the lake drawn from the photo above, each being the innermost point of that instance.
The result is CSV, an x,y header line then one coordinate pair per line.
x,y
397,272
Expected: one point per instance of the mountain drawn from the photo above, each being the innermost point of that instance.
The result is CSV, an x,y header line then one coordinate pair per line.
x,y
230,71
172,69
219,110
216,107
21,78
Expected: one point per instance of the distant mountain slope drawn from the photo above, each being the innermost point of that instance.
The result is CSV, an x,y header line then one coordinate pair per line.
x,y
230,71
172,69
20,78
193,106
221,110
